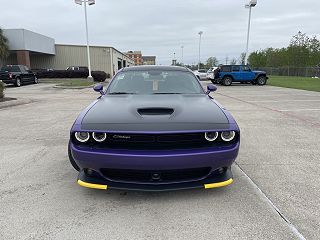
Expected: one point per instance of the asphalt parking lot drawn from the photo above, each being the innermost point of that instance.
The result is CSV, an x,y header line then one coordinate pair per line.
x,y
275,194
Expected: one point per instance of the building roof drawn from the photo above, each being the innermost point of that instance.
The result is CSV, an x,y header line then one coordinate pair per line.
x,y
23,39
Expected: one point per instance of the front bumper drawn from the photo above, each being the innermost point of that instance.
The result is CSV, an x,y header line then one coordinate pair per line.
x,y
8,81
222,180
154,161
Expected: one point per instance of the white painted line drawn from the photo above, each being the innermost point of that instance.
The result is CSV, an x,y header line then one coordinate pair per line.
x,y
298,110
273,101
275,208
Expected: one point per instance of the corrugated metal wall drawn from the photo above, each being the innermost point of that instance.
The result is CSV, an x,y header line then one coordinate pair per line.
x,y
73,55
67,55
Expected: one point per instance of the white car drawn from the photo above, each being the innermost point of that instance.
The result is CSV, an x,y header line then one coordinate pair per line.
x,y
201,74
210,73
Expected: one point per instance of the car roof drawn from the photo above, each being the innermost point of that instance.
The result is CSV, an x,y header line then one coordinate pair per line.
x,y
233,65
152,67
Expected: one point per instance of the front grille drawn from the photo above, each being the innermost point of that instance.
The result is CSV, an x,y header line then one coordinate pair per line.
x,y
154,176
156,142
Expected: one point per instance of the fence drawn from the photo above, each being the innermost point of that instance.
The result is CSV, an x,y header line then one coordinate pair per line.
x,y
292,71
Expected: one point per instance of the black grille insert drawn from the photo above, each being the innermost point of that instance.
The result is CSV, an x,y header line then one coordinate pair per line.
x,y
177,175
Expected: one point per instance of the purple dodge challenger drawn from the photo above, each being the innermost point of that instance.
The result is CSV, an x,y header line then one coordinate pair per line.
x,y
154,128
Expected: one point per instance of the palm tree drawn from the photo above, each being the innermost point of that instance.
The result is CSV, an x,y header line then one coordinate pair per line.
x,y
4,47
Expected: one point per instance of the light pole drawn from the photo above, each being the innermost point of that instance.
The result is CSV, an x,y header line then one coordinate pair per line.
x,y
182,55
200,34
250,5
85,2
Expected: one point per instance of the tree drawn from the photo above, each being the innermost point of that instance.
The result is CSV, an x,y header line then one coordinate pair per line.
x,y
242,58
303,51
212,62
233,61
4,47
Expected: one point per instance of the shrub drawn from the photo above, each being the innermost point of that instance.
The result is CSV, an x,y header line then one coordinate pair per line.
x,y
99,76
1,89
61,74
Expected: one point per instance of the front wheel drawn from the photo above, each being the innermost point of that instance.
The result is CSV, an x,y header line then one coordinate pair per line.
x,y
18,82
35,81
73,163
227,81
262,80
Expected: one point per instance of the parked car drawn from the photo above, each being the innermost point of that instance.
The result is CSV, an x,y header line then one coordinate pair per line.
x,y
17,75
239,73
201,74
211,73
154,128
77,68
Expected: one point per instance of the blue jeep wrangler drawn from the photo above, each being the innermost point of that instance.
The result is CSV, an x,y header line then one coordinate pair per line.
x,y
227,74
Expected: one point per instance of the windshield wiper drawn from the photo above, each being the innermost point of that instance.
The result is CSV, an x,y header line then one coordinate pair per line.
x,y
118,93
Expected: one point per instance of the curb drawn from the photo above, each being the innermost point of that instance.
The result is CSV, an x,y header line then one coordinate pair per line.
x,y
13,103
67,87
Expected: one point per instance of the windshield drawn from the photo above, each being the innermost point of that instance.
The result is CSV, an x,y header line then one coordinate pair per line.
x,y
10,69
155,82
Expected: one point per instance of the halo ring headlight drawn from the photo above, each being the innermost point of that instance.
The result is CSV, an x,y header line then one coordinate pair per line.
x,y
211,136
82,136
228,136
99,137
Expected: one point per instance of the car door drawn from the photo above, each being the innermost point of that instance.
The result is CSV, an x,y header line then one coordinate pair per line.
x,y
203,73
246,73
30,74
24,74
236,73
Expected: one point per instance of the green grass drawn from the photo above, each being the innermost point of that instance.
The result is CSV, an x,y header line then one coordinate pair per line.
x,y
69,82
305,83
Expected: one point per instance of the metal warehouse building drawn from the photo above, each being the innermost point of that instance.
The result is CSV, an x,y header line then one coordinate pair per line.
x,y
40,52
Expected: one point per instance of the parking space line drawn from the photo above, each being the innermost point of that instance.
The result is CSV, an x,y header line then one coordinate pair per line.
x,y
275,101
313,124
298,110
272,205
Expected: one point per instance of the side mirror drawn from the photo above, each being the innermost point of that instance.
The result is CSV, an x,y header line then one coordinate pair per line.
x,y
211,88
98,88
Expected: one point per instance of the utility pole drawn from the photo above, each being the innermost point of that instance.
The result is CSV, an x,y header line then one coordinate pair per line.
x,y
250,5
200,34
85,2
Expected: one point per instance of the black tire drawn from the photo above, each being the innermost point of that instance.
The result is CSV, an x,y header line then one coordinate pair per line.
x,y
35,81
73,163
18,82
227,81
254,82
262,80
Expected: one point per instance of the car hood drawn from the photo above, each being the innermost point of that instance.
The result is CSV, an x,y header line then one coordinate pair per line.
x,y
155,113
259,71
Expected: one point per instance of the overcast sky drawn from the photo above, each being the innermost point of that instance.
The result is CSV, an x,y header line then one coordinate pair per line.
x,y
161,27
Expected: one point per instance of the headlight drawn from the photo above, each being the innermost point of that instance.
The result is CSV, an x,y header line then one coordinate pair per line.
x,y
228,136
82,136
99,137
211,136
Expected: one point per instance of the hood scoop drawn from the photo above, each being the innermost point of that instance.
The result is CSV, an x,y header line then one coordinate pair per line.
x,y
155,111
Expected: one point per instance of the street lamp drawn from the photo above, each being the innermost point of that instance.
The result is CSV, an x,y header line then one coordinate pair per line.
x,y
200,33
250,5
182,55
89,2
